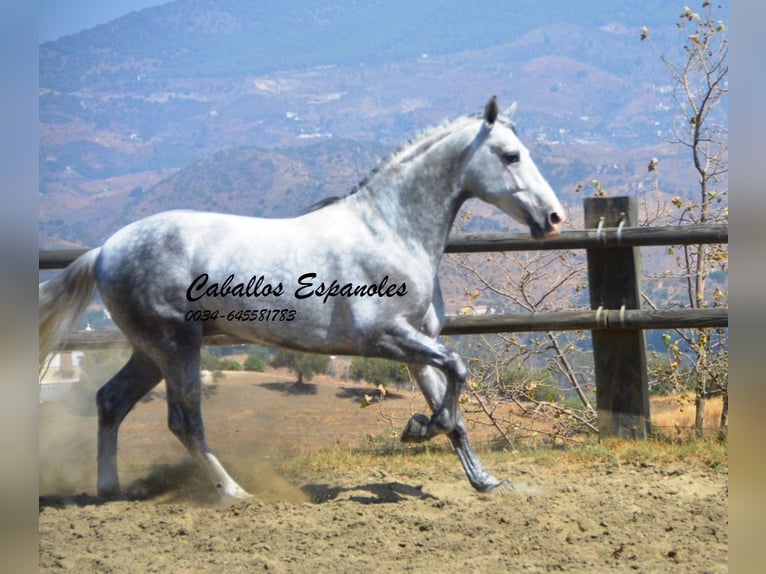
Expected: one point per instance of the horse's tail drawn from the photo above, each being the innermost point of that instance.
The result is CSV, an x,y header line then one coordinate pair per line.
x,y
63,299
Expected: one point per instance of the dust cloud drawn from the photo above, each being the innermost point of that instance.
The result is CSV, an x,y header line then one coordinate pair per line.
x,y
152,463
66,448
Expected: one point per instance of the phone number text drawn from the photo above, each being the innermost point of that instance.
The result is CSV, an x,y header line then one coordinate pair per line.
x,y
264,315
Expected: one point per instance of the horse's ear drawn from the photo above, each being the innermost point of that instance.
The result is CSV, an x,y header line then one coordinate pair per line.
x,y
490,111
508,114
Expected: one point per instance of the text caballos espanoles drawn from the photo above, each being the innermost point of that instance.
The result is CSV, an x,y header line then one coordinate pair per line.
x,y
307,286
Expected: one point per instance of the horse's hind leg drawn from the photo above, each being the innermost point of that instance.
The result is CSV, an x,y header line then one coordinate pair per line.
x,y
115,400
182,380
433,385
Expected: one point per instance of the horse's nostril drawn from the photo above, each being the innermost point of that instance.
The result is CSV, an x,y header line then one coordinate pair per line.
x,y
555,218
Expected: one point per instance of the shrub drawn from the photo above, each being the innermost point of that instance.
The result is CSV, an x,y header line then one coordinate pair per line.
x,y
230,365
377,371
304,365
254,363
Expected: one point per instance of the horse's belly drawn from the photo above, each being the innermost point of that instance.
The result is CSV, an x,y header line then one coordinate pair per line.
x,y
323,317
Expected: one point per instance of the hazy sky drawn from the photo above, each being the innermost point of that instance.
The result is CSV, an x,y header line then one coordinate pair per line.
x,y
58,18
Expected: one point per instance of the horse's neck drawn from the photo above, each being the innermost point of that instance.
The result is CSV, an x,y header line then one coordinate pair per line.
x,y
418,193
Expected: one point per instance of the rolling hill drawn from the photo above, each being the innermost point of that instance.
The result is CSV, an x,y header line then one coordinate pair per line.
x,y
262,108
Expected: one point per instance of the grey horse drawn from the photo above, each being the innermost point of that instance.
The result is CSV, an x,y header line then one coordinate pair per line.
x,y
356,275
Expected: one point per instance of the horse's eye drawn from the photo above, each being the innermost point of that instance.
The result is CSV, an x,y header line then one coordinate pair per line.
x,y
510,157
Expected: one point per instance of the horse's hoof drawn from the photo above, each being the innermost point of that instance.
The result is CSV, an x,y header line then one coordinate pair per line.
x,y
416,429
232,493
497,487
111,495
227,500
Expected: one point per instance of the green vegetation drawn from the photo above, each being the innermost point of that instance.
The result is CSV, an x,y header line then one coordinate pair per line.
x,y
254,363
304,365
210,361
230,365
378,371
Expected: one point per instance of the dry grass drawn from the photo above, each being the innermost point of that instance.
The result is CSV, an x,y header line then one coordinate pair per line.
x,y
674,415
673,441
257,418
410,462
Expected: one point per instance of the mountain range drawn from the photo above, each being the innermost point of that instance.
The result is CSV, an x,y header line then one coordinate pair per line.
x,y
262,108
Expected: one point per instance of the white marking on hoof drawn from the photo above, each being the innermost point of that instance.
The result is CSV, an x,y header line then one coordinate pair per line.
x,y
232,494
501,487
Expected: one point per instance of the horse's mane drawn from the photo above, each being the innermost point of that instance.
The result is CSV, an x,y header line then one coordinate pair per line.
x,y
407,151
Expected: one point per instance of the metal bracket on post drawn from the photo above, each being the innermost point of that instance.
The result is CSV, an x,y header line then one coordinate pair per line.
x,y
622,390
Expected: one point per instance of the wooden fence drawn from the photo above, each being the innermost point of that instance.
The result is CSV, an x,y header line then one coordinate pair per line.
x,y
616,319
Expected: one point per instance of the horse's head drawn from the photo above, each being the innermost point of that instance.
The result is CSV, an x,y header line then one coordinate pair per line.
x,y
501,172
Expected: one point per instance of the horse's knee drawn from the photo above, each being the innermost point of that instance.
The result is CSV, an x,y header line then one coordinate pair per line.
x,y
118,395
457,367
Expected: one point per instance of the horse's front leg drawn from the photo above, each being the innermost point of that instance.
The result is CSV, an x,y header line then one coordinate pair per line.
x,y
404,343
441,375
420,428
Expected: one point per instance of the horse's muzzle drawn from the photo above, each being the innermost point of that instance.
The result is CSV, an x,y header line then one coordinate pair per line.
x,y
551,229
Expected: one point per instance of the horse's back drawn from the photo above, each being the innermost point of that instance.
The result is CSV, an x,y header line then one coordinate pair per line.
x,y
148,265
143,267
170,236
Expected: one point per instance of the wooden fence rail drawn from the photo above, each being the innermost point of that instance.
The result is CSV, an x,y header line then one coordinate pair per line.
x,y
616,319
607,320
487,242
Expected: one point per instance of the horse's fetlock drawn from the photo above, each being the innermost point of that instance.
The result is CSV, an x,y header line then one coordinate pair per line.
x,y
442,421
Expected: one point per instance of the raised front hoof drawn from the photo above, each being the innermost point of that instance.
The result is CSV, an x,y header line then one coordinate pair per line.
x,y
416,429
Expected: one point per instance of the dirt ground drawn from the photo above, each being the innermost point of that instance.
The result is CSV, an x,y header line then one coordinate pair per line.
x,y
350,512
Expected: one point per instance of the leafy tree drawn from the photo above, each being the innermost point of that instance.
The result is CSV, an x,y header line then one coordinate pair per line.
x,y
230,365
304,365
700,87
538,383
254,363
377,371
209,361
